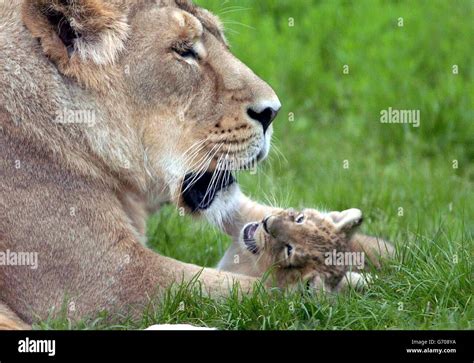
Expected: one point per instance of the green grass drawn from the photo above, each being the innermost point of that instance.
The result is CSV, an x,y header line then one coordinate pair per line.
x,y
336,118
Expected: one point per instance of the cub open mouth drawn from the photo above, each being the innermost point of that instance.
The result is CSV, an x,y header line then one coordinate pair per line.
x,y
200,191
248,236
249,231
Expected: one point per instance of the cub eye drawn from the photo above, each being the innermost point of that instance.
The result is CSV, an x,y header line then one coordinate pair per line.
x,y
289,249
299,219
186,53
265,225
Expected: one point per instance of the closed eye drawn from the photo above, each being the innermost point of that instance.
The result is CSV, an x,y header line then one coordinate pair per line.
x,y
299,219
265,225
186,53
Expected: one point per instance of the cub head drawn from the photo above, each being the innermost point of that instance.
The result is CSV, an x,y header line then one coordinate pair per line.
x,y
296,244
162,73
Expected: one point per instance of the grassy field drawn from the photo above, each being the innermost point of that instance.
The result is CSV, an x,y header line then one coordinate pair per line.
x,y
414,184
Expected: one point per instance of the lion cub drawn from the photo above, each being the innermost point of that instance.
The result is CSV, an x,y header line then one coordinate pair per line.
x,y
301,246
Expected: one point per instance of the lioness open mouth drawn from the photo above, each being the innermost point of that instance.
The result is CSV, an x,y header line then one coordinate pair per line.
x,y
200,191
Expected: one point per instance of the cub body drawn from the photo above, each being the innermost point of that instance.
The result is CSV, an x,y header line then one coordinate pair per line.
x,y
300,246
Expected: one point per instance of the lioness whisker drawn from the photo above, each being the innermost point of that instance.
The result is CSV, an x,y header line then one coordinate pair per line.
x,y
198,146
192,152
215,176
207,159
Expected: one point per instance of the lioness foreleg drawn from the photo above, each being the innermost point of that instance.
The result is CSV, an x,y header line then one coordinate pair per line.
x,y
10,321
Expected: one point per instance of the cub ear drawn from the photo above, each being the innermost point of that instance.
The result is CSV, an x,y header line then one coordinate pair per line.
x,y
347,221
89,31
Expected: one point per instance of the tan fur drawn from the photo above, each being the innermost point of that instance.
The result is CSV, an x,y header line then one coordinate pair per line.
x,y
375,248
310,241
103,31
78,194
10,321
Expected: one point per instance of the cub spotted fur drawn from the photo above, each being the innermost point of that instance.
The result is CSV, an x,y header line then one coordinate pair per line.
x,y
299,246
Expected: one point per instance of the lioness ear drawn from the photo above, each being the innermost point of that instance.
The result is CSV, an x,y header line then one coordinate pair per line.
x,y
348,220
88,31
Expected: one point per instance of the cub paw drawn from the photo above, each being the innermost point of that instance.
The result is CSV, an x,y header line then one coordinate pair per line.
x,y
355,281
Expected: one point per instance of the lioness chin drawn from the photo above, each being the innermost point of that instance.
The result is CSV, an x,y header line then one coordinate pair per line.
x,y
108,109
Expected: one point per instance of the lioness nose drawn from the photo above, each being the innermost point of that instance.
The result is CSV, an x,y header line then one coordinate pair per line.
x,y
264,112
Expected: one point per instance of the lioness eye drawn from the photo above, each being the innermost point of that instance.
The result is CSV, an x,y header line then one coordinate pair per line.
x,y
299,219
186,53
289,248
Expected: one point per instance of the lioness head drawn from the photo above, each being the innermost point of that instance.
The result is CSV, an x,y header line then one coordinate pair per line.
x,y
164,81
297,244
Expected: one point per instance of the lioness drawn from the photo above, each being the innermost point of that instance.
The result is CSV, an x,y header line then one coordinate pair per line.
x,y
108,109
299,246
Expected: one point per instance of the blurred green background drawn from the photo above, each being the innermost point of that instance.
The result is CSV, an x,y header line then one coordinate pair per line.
x,y
408,67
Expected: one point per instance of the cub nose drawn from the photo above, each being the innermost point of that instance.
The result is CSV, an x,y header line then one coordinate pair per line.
x,y
264,112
